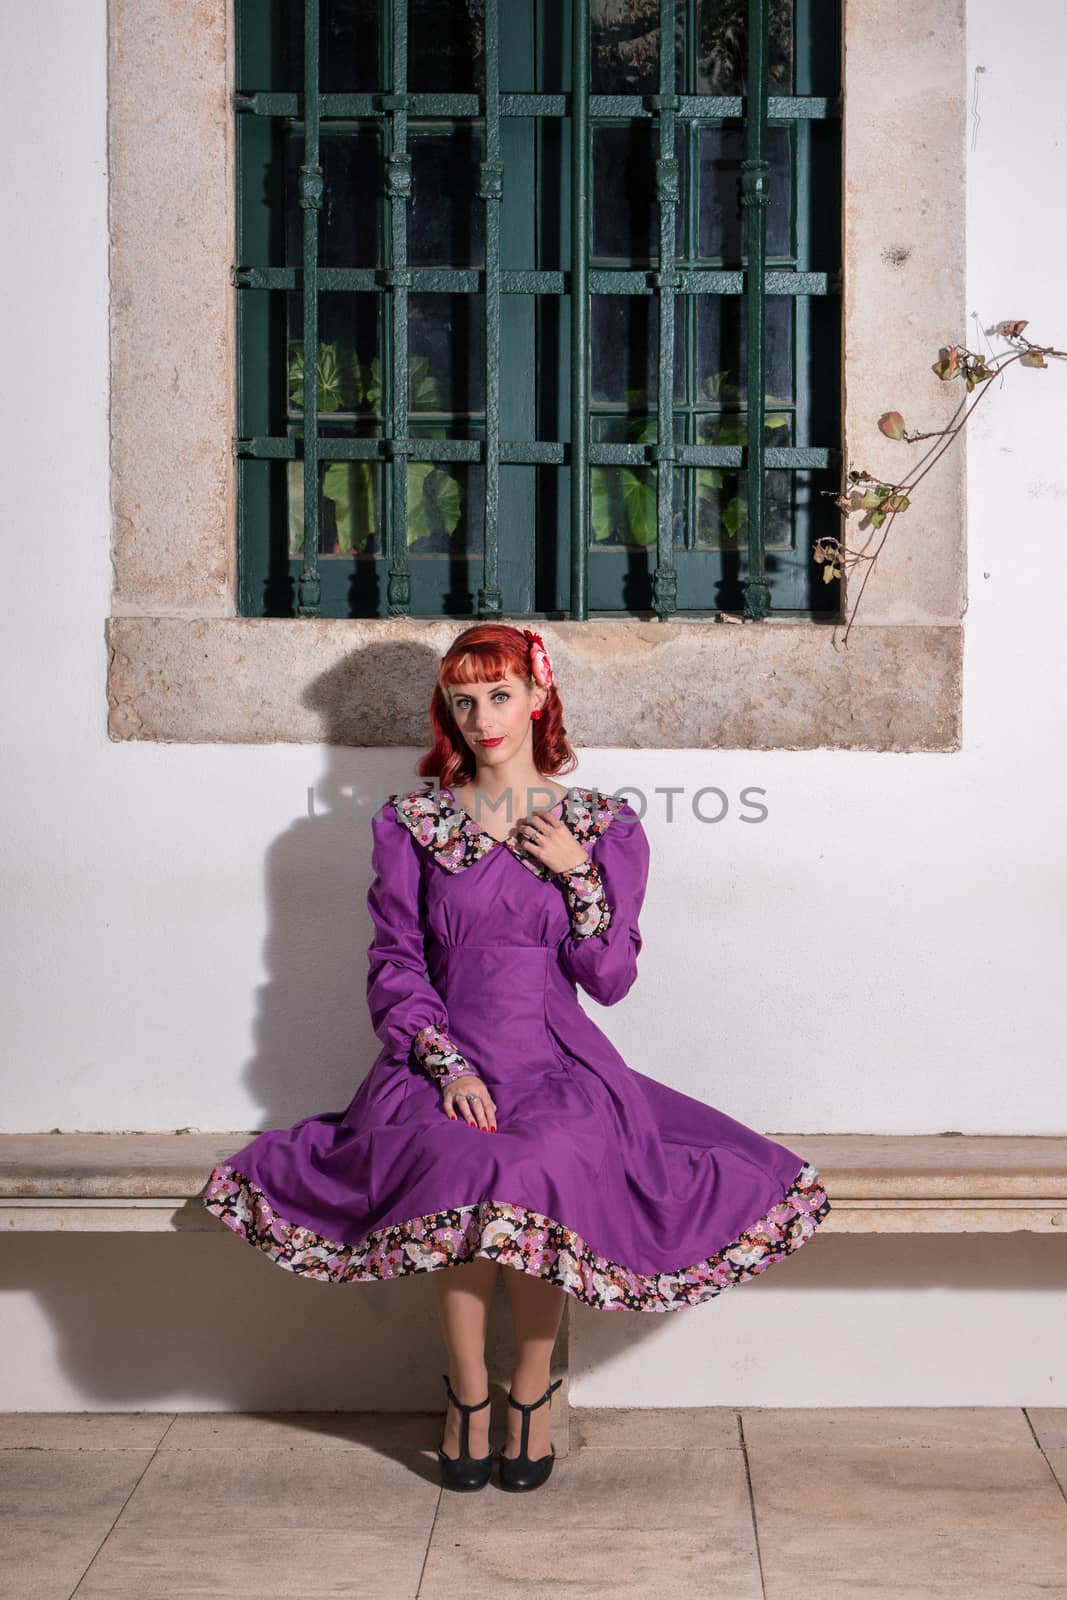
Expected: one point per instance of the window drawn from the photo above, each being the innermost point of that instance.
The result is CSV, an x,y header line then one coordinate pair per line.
x,y
489,217
191,661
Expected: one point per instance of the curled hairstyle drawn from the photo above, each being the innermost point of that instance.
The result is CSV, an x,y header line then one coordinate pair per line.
x,y
482,654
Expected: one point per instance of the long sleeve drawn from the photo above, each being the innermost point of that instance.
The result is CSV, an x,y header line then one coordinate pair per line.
x,y
604,901
406,1010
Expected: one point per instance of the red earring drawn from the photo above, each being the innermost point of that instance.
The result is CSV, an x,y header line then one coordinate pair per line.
x,y
535,713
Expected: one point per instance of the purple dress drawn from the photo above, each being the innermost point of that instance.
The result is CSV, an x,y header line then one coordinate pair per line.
x,y
624,1192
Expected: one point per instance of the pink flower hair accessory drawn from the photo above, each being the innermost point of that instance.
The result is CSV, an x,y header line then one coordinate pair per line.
x,y
540,666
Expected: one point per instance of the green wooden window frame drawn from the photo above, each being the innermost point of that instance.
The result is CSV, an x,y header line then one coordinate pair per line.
x,y
545,490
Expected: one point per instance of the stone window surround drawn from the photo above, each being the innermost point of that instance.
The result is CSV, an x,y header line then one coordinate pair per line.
x,y
184,667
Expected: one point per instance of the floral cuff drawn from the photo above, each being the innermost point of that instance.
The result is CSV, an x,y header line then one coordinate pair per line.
x,y
586,903
438,1056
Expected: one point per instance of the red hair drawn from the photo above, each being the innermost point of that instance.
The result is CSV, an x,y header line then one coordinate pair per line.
x,y
482,654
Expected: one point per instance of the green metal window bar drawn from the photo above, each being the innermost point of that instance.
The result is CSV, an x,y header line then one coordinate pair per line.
x,y
667,282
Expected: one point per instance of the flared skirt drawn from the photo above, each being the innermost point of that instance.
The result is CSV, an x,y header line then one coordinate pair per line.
x,y
624,1192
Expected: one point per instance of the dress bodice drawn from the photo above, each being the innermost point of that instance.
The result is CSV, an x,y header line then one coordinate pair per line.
x,y
479,949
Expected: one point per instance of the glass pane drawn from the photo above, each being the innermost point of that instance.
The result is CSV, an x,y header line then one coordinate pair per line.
x,y
623,508
446,46
720,514
446,509
625,208
446,224
624,331
722,216
350,221
721,520
446,505
789,504
640,428
722,46
731,427
349,46
446,346
719,493
722,326
623,499
349,358
349,504
625,46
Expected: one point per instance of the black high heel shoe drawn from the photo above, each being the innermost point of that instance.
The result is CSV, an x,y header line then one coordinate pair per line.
x,y
464,1471
520,1472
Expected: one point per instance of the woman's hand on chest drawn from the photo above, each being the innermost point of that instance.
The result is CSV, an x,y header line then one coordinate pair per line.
x,y
547,839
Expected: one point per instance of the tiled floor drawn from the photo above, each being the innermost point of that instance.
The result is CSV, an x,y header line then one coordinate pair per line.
x,y
871,1504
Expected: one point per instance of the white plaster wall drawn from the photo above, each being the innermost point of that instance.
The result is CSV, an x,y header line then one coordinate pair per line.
x,y
184,930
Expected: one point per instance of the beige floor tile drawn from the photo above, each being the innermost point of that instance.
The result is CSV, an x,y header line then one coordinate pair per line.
x,y
902,1426
384,1432
1057,1460
80,1488
680,1490
83,1430
1050,1425
305,1430
56,1509
926,1588
514,1564
944,1519
42,1563
210,1490
655,1428
342,1562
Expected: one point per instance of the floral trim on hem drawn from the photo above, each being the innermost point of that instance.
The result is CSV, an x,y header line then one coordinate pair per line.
x,y
516,1237
587,906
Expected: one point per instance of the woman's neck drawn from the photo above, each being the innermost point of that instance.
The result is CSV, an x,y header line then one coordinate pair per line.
x,y
530,789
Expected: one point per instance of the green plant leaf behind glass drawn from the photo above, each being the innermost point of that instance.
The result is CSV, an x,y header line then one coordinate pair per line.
x,y
350,511
434,501
350,486
341,378
623,502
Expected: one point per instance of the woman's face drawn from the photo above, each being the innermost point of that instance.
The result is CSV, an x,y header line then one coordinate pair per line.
x,y
497,711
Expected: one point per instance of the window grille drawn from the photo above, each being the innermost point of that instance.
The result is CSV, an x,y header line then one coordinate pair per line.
x,y
543,262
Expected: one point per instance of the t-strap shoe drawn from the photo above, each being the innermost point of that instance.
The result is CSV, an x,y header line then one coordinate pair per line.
x,y
464,1471
520,1472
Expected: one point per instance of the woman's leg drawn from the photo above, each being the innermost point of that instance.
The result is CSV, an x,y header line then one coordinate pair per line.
x,y
536,1310
463,1295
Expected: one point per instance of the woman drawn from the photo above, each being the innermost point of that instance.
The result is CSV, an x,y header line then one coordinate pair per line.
x,y
498,1125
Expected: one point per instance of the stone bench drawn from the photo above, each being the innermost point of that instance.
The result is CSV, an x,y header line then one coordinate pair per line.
x,y
877,1183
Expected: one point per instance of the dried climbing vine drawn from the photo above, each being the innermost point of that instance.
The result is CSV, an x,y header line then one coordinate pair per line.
x,y
878,502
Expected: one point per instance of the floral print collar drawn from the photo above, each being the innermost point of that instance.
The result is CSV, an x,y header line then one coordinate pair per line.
x,y
440,824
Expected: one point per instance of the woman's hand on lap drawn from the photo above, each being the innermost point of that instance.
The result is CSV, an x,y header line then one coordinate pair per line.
x,y
480,1112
